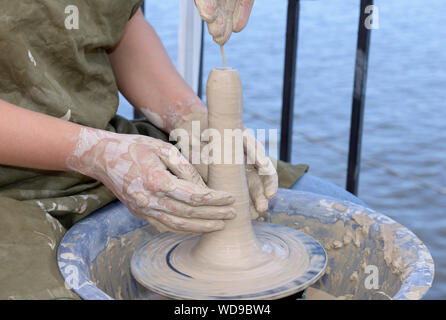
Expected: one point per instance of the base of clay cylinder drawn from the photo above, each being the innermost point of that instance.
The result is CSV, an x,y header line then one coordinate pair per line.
x,y
164,265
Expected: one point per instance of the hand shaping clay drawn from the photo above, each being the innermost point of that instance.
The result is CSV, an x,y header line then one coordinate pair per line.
x,y
244,260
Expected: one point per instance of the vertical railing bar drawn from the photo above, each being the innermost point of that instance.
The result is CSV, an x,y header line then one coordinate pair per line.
x,y
200,72
136,113
359,96
289,79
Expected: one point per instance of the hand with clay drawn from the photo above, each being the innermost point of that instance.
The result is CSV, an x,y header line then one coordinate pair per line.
x,y
146,77
260,172
263,181
224,16
153,180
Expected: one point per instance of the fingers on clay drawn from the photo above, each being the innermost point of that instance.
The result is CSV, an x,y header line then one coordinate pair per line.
x,y
207,9
256,191
241,14
178,224
271,185
182,168
195,195
183,210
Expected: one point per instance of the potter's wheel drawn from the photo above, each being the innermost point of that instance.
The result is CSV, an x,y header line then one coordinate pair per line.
x,y
163,265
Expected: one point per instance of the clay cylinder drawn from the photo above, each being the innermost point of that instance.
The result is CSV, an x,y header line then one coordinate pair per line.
x,y
234,247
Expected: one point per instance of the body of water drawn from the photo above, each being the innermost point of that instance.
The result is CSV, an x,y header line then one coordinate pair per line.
x,y
403,172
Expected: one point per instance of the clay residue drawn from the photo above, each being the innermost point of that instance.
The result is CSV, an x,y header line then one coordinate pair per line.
x,y
351,246
317,294
110,271
364,221
392,254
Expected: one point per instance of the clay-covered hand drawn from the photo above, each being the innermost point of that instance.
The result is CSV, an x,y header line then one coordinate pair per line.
x,y
153,179
224,16
260,172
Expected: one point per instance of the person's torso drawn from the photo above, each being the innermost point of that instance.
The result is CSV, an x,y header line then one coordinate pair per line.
x,y
52,63
53,56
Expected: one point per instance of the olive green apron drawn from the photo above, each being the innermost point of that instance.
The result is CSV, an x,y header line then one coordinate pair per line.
x,y
64,73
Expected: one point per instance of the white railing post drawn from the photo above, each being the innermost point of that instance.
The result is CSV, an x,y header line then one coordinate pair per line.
x,y
189,43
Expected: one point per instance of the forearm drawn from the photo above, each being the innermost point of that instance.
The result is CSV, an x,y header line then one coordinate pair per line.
x,y
149,80
34,140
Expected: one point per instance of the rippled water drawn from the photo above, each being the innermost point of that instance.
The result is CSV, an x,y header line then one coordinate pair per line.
x,y
404,145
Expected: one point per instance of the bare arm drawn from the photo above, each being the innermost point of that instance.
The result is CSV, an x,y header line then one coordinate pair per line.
x,y
137,169
148,79
35,140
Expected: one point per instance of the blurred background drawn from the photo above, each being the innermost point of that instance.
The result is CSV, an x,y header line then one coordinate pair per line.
x,y
403,168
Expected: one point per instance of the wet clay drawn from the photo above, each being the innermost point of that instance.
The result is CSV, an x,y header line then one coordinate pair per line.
x,y
235,246
354,245
239,261
222,50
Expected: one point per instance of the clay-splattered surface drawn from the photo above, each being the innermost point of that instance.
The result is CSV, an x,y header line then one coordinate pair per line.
x,y
354,237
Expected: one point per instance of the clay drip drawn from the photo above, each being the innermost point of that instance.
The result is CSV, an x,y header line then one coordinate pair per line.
x,y
223,56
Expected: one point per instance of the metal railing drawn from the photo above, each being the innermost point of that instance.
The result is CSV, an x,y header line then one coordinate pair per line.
x,y
289,80
359,96
359,91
